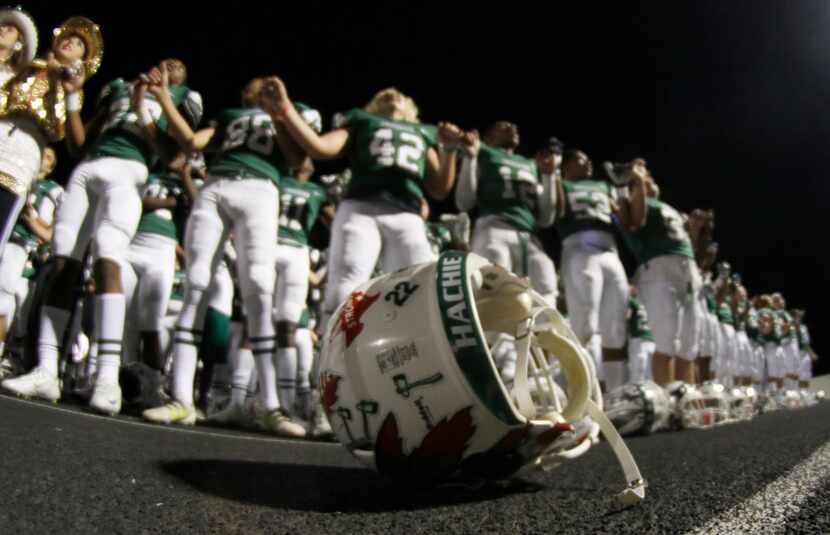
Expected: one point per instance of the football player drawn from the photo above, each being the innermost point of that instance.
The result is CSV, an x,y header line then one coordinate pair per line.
x,y
640,340
516,196
301,202
33,229
808,356
240,196
596,286
667,280
394,160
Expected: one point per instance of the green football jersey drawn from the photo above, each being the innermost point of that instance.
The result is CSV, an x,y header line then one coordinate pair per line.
x,y
767,316
787,323
752,323
725,314
246,145
638,326
41,192
587,207
161,221
439,236
508,187
803,337
300,204
387,157
663,234
121,135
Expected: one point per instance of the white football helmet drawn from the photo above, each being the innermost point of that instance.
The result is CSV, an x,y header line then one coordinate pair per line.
x,y
638,408
688,412
715,402
410,388
742,403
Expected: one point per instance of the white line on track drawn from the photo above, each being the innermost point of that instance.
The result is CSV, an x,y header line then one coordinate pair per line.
x,y
772,506
161,427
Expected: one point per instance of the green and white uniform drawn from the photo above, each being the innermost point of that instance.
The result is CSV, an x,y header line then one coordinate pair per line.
x,y
771,340
115,167
240,197
514,201
15,266
596,286
440,238
300,204
668,280
726,363
378,222
148,281
806,369
640,342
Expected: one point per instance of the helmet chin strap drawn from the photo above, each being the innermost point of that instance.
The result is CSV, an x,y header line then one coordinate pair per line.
x,y
544,331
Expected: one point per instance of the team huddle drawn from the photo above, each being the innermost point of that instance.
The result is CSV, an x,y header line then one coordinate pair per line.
x,y
181,271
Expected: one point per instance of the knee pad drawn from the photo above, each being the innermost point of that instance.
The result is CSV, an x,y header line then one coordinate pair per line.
x,y
6,304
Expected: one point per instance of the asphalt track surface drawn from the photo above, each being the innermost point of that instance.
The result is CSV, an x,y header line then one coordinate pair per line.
x,y
66,471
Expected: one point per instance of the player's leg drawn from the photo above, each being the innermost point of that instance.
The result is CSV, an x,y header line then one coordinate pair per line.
x,y
354,249
658,296
205,234
289,303
404,237
118,212
71,233
541,271
612,326
582,280
159,262
255,214
11,270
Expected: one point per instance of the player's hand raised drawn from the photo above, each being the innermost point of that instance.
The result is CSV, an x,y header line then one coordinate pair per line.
x,y
157,80
471,143
274,96
449,134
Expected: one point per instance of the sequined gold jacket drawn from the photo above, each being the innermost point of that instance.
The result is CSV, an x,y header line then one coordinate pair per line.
x,y
33,93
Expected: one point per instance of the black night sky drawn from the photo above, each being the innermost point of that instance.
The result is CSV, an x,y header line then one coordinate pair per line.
x,y
726,100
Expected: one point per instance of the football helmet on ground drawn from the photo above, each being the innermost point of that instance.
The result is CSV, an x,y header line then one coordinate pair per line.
x,y
410,388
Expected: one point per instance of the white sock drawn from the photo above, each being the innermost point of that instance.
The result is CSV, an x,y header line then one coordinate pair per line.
x,y
305,359
243,364
595,349
109,329
53,322
614,374
263,346
287,376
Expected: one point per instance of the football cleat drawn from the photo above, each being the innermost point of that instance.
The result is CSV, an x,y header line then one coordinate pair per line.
x,y
106,399
174,412
277,422
35,384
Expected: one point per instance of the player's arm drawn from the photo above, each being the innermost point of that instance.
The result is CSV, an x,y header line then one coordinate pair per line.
x,y
158,83
39,226
633,212
467,188
275,101
441,163
289,148
548,163
150,203
190,189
